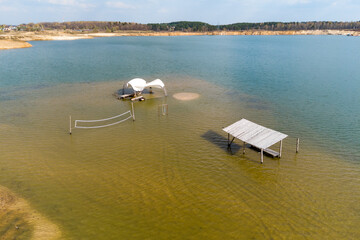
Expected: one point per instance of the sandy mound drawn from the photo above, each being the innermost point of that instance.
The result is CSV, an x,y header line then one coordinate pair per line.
x,y
186,96
18,220
5,44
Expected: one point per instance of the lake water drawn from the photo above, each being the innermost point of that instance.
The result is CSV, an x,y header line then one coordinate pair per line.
x,y
172,177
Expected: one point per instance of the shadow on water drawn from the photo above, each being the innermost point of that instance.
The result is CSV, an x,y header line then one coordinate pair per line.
x,y
122,91
221,142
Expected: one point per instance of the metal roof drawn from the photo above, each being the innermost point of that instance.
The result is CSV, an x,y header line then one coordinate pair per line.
x,y
255,134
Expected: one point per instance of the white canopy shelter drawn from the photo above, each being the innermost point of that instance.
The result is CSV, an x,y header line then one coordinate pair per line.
x,y
256,135
139,84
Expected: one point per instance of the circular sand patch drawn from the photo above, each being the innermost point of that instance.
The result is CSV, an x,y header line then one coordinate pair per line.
x,y
186,96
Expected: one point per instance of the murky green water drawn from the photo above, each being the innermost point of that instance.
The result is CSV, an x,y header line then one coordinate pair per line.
x,y
170,177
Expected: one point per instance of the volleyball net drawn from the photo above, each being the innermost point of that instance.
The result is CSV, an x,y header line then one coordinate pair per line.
x,y
88,124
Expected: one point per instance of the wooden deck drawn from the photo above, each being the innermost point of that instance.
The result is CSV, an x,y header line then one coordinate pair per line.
x,y
139,98
268,151
271,152
256,135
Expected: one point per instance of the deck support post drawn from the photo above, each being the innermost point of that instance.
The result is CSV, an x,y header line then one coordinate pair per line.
x,y
70,125
244,146
133,112
280,149
230,142
262,156
297,144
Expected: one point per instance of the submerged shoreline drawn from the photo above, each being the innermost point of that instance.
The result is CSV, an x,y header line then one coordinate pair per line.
x,y
13,40
19,219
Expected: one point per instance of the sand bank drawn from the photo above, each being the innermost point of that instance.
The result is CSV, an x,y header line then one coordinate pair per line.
x,y
18,220
186,96
11,44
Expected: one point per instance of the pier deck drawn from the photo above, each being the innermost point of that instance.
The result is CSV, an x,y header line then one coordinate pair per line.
x,y
256,135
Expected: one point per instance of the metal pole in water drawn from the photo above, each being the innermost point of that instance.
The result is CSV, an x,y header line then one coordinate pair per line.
x,y
70,125
297,144
165,109
133,112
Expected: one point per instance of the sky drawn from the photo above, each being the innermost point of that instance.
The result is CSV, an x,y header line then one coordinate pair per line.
x,y
162,11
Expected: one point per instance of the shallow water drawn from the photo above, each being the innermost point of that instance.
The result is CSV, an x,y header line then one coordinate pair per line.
x,y
311,83
171,176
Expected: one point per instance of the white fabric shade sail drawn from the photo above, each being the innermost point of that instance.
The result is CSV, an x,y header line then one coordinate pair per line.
x,y
139,84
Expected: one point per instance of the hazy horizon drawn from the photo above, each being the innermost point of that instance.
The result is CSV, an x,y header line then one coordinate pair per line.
x,y
160,11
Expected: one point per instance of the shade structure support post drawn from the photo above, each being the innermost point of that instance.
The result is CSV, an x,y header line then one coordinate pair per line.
x,y
165,109
262,156
280,149
244,146
70,125
123,90
133,112
297,144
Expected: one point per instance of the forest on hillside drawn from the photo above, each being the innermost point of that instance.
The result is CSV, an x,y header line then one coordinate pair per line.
x,y
186,26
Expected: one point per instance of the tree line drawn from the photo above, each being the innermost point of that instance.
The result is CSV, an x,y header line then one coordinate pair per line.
x,y
293,26
93,26
186,26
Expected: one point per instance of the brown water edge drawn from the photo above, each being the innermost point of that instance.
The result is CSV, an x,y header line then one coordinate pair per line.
x,y
169,176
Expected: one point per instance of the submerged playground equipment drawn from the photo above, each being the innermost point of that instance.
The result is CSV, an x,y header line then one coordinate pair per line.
x,y
138,85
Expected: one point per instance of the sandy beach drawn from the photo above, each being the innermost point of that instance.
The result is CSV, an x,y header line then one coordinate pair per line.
x,y
12,40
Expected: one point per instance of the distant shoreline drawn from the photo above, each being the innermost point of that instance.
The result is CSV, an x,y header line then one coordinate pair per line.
x,y
10,40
